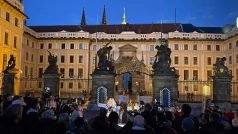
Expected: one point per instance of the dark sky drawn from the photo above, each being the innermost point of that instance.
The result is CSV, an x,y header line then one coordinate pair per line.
x,y
68,12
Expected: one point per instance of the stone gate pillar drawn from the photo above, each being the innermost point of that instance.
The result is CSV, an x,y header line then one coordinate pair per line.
x,y
165,79
222,85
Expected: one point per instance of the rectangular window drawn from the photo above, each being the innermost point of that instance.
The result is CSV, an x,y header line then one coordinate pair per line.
x,y
40,85
27,42
31,73
152,60
176,47
230,45
94,48
49,46
186,75
176,60
237,74
15,42
6,38
41,46
236,43
62,72
195,74
41,58
4,62
195,88
209,61
186,47
80,59
152,48
7,17
27,55
185,60
230,59
26,71
61,84
71,85
32,58
71,59
195,47
71,73
80,73
195,60
62,58
94,60
62,46
80,46
236,58
79,85
217,47
209,48
33,45
209,74
71,46
16,22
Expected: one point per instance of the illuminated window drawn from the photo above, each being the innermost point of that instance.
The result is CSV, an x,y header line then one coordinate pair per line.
x,y
152,59
94,60
81,46
209,74
152,48
94,48
176,47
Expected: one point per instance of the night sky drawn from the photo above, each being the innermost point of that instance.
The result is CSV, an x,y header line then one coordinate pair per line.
x,y
68,12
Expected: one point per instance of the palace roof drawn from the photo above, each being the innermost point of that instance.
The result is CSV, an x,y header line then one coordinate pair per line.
x,y
137,28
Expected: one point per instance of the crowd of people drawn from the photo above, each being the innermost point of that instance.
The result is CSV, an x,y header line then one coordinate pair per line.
x,y
31,115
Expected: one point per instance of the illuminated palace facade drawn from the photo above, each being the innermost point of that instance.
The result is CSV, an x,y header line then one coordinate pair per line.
x,y
194,51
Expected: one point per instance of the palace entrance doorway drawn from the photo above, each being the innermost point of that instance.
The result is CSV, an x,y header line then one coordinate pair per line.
x,y
131,73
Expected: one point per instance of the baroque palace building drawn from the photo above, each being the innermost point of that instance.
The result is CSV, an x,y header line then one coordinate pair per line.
x,y
194,51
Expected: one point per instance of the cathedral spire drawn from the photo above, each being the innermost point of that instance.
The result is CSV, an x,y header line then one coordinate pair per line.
x,y
104,17
83,20
124,17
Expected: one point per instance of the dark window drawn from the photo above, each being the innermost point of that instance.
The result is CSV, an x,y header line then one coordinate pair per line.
x,y
195,74
71,59
41,46
236,58
26,71
61,84
217,47
80,73
237,74
79,85
209,48
72,46
195,60
4,62
7,16
49,46
209,74
230,45
209,61
16,22
6,38
71,85
236,43
41,58
80,59
176,60
80,46
32,57
63,46
94,48
195,47
27,55
152,59
186,60
40,85
15,42
62,59
71,72
62,71
27,42
186,47
186,75
230,59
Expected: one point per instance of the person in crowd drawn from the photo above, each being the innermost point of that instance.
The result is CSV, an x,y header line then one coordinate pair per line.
x,y
188,126
113,123
149,118
139,126
235,123
100,123
10,122
48,122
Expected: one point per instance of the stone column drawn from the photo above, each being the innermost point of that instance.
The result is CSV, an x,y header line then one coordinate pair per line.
x,y
51,84
222,92
168,82
103,80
